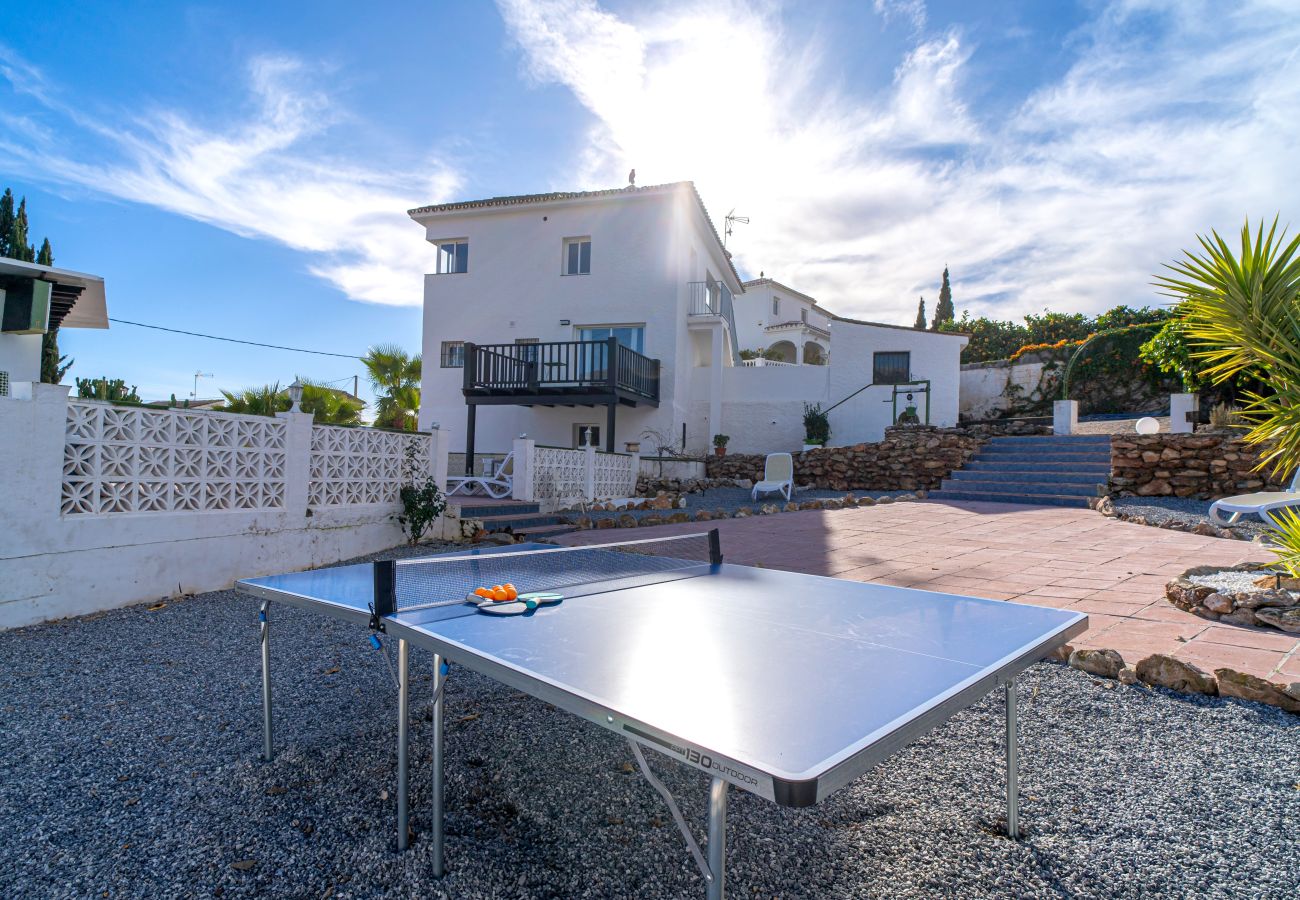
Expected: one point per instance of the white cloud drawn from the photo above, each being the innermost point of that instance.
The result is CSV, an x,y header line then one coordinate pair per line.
x,y
266,176
912,11
1173,118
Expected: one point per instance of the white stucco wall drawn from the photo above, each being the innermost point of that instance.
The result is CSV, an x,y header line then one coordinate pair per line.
x,y
865,417
54,565
20,356
645,249
984,386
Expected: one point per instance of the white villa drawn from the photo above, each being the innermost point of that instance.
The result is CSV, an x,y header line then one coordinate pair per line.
x,y
33,300
788,324
611,313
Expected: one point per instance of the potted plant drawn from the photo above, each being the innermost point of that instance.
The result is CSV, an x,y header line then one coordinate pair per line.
x,y
816,426
720,444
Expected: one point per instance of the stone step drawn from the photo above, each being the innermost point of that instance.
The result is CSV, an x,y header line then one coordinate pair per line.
x,y
1025,489
1043,457
1018,499
517,523
483,510
1039,476
998,465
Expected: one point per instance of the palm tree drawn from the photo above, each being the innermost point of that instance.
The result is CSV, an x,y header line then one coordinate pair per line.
x,y
329,406
266,400
1241,315
394,376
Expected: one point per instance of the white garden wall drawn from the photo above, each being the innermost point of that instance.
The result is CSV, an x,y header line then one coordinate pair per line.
x,y
984,386
105,506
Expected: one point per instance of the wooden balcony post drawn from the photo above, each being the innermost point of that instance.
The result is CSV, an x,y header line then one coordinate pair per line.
x,y
471,365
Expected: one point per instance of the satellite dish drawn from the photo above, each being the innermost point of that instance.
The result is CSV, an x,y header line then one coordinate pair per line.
x,y
1147,425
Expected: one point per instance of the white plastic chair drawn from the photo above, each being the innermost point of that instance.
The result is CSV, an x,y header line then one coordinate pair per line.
x,y
497,485
778,476
1260,504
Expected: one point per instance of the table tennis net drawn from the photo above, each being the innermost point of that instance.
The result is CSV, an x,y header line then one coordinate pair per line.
x,y
438,581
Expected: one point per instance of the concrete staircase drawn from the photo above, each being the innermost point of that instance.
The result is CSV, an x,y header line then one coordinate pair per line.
x,y
525,520
1044,471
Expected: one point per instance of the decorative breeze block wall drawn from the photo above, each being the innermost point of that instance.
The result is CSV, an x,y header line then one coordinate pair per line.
x,y
356,467
128,460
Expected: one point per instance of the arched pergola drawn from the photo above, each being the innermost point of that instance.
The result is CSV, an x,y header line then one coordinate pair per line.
x,y
783,351
814,354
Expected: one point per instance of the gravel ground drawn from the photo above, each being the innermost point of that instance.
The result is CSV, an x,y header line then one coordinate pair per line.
x,y
1159,510
129,766
732,499
1229,582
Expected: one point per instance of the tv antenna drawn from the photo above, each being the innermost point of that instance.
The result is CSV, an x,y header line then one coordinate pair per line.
x,y
194,394
730,220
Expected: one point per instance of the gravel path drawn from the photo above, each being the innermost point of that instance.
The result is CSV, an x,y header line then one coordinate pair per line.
x,y
1159,510
129,767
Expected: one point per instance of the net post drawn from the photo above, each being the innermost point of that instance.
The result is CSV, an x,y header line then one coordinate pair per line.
x,y
715,547
385,600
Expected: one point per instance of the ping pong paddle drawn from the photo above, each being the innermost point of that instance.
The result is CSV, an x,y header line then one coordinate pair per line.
x,y
525,604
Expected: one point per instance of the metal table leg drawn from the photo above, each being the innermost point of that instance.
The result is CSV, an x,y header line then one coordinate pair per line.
x,y
439,679
1013,764
265,619
403,704
717,838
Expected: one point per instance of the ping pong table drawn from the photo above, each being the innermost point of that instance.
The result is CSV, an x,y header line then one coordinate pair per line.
x,y
785,685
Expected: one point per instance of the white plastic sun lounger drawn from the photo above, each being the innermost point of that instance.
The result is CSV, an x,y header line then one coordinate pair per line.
x,y
778,476
496,486
1230,509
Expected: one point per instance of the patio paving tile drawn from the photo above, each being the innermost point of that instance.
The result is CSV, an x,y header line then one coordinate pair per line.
x,y
1212,656
1072,559
1249,637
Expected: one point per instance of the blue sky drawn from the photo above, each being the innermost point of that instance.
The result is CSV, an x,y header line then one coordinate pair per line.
x,y
244,169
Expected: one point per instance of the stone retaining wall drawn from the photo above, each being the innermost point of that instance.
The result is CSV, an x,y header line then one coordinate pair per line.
x,y
1202,466
910,458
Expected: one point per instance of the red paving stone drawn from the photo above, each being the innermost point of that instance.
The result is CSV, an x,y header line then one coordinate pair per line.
x,y
1072,559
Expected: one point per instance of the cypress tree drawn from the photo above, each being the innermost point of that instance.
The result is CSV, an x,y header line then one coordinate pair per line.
x,y
920,315
6,220
943,310
18,247
13,244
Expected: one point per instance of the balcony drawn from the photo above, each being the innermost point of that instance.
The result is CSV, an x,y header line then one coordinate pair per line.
x,y
713,298
560,373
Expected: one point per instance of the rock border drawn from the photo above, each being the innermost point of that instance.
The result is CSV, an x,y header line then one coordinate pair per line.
x,y
1275,609
1161,670
1106,506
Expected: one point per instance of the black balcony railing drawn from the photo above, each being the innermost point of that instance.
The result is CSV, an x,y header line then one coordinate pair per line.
x,y
560,367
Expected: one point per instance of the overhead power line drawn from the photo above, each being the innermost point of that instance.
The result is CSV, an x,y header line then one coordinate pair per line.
x,y
214,337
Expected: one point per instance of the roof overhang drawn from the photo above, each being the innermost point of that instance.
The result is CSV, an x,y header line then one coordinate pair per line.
x,y
90,309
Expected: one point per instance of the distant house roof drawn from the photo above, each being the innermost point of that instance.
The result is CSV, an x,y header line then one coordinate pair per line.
x,y
961,334
559,196
78,298
772,282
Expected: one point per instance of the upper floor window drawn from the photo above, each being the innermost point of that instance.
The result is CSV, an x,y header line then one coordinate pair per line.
x,y
776,306
891,368
577,256
803,316
453,257
453,354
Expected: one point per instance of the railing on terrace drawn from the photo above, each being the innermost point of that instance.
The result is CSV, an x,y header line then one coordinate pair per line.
x,y
763,363
561,366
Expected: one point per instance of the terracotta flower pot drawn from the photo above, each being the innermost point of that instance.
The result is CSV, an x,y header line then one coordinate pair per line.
x,y
719,451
